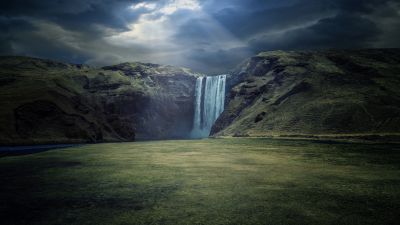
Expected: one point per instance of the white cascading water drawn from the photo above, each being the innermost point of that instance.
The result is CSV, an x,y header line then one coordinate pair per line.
x,y
209,104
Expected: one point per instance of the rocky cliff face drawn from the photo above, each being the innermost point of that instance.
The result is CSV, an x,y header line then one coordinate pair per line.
x,y
272,94
167,111
314,93
49,102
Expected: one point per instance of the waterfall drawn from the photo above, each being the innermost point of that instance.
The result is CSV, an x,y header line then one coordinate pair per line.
x,y
209,104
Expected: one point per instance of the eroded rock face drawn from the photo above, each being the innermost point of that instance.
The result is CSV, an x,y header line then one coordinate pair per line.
x,y
327,92
49,102
168,111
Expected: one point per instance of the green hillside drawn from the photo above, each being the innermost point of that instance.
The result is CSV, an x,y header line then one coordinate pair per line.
x,y
43,101
315,93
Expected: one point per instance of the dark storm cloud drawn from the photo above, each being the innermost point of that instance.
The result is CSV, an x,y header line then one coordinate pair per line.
x,y
248,19
341,31
73,14
296,24
77,30
194,31
61,29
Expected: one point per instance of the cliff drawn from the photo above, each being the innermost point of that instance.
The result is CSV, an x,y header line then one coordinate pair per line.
x,y
308,93
335,93
43,101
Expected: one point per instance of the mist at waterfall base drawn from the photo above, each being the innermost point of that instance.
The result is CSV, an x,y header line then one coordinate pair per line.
x,y
209,104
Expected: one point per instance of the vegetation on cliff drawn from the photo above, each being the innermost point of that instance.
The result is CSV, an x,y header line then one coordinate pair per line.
x,y
333,94
307,93
43,101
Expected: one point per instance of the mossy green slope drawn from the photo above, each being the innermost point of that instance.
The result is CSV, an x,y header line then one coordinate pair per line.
x,y
43,101
347,92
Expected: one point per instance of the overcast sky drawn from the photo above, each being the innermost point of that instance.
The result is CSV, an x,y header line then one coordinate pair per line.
x,y
209,36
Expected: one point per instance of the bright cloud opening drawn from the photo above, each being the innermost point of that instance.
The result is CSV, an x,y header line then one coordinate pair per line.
x,y
175,5
144,5
159,32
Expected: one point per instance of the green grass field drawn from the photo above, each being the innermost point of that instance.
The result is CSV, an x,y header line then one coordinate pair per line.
x,y
212,181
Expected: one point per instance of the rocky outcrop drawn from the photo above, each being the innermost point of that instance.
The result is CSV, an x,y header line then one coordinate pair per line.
x,y
306,93
168,111
49,102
